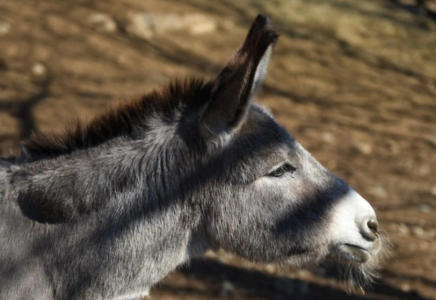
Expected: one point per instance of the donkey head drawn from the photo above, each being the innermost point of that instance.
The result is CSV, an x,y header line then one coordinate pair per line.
x,y
272,201
255,191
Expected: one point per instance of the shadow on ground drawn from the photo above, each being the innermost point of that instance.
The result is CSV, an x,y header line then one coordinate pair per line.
x,y
211,279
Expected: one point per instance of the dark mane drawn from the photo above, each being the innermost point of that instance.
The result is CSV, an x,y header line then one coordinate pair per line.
x,y
116,121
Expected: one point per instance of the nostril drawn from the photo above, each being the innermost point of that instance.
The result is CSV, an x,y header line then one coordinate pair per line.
x,y
369,229
373,225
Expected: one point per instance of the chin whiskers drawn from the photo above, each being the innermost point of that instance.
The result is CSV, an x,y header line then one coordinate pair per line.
x,y
360,277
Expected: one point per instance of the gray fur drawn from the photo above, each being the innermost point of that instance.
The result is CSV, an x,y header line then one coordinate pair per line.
x,y
110,221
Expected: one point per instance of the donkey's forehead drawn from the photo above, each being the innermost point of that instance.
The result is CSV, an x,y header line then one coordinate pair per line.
x,y
262,122
264,135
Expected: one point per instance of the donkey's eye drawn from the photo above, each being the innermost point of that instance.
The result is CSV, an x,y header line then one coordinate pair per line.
x,y
285,168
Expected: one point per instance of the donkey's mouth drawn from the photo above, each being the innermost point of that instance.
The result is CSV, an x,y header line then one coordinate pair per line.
x,y
351,253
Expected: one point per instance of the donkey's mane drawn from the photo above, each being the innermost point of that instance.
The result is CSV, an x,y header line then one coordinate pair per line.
x,y
118,120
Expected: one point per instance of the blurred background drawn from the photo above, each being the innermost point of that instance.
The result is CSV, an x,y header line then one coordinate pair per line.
x,y
354,81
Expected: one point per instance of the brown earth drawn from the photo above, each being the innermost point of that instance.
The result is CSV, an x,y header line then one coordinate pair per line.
x,y
353,81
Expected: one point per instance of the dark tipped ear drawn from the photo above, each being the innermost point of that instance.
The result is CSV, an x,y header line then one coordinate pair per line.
x,y
239,81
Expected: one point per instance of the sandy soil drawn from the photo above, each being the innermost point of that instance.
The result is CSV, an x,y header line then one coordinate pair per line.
x,y
353,81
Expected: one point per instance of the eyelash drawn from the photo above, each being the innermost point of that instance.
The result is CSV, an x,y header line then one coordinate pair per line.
x,y
285,168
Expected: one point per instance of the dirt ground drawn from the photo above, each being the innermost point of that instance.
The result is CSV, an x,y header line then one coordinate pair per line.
x,y
353,81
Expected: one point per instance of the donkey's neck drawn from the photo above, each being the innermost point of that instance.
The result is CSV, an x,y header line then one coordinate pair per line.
x,y
81,183
116,174
115,200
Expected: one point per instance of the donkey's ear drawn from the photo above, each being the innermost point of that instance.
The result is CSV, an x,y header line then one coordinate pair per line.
x,y
239,81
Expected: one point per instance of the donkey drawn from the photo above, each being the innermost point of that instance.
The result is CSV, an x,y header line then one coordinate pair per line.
x,y
106,210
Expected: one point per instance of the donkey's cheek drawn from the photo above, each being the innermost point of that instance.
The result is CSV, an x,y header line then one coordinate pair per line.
x,y
275,194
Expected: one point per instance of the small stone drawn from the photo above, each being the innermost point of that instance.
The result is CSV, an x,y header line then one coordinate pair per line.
x,y
327,137
39,70
303,274
418,231
432,142
141,25
430,8
378,191
361,147
4,28
403,229
425,208
431,5
103,22
145,25
433,191
405,287
270,268
199,24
